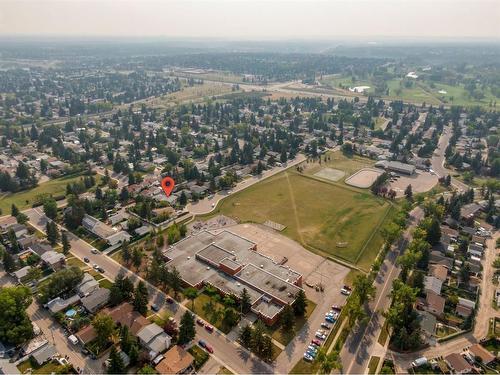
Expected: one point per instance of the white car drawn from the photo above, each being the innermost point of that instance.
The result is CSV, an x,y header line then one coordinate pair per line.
x,y
320,335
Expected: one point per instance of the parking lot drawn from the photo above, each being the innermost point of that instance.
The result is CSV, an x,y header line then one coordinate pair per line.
x,y
420,182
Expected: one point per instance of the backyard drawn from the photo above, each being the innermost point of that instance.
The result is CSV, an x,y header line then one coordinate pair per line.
x,y
326,218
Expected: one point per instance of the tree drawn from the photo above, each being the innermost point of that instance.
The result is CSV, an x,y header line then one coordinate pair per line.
x,y
126,256
300,304
141,298
328,361
137,258
104,327
246,336
22,218
52,232
14,211
187,329
15,325
434,232
191,294
116,365
50,208
9,263
363,287
245,301
175,281
65,243
287,319
147,369
409,193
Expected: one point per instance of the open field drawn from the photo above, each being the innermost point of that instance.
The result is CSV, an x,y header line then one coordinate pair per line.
x,y
330,174
26,198
190,93
325,218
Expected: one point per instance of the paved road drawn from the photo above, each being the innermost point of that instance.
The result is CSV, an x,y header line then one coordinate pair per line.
x,y
362,341
207,205
231,354
437,160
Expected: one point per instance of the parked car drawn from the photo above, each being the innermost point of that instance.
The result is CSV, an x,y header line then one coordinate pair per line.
x,y
202,343
155,307
209,349
200,322
100,269
345,291
209,328
336,307
95,266
312,348
320,335
316,342
94,251
330,319
326,326
311,353
308,358
86,260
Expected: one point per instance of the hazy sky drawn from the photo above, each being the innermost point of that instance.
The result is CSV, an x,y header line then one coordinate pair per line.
x,y
236,19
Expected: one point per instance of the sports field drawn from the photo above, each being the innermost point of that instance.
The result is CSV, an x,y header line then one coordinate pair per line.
x,y
324,217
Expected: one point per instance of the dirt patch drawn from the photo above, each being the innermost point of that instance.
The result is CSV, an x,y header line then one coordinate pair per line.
x,y
330,174
364,178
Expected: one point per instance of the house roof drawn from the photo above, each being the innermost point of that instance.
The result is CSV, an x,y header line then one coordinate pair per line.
x,y
44,353
481,352
439,271
98,298
433,283
458,363
435,302
52,257
427,322
176,361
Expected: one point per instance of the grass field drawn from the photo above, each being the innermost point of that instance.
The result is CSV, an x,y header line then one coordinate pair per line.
x,y
326,218
25,199
373,364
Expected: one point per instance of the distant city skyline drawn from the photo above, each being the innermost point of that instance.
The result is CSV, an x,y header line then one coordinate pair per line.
x,y
244,19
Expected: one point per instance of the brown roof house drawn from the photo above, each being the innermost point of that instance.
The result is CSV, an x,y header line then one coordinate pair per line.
x,y
478,351
458,364
176,361
434,304
439,272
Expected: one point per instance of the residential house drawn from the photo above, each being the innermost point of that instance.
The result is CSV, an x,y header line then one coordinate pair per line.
x,y
434,304
87,286
432,284
478,351
458,364
44,354
39,248
154,338
18,229
53,260
21,273
95,301
439,272
176,361
427,324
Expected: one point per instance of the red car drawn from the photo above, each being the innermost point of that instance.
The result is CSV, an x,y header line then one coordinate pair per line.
x,y
316,342
209,349
209,328
200,322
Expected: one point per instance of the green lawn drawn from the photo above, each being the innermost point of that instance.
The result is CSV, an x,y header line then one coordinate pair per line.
x,y
328,219
337,160
199,302
285,337
47,368
373,364
105,283
25,199
200,356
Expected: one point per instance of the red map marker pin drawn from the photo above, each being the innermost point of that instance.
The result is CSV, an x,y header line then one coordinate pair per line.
x,y
167,185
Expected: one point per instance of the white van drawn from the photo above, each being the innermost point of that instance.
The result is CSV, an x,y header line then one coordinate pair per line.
x,y
73,339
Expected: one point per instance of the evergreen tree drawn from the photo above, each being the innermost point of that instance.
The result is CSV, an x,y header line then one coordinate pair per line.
x,y
52,232
65,243
246,303
187,329
141,298
287,319
116,365
300,304
246,336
